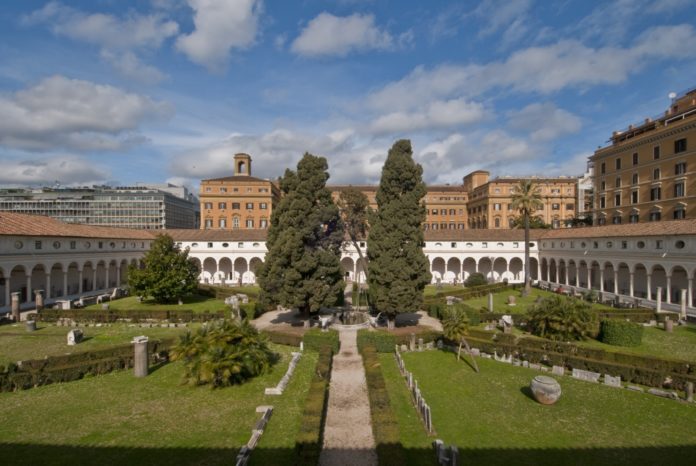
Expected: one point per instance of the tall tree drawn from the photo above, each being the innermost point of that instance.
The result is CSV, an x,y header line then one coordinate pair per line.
x,y
526,200
355,208
167,273
302,268
398,268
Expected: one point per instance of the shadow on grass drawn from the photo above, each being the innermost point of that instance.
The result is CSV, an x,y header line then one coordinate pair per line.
x,y
21,454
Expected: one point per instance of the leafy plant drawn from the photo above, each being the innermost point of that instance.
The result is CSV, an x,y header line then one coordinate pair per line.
x,y
455,325
562,318
223,353
621,333
475,279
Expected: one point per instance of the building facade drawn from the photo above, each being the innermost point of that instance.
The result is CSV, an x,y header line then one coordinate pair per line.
x,y
237,202
647,172
153,207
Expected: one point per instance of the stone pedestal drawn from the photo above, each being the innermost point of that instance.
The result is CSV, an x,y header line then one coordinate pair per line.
x,y
490,302
689,392
15,306
669,325
39,300
31,325
682,305
140,364
659,298
412,343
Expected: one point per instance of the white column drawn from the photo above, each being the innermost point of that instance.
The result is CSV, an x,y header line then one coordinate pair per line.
x,y
577,276
30,294
601,279
689,294
48,286
649,276
566,273
589,277
669,289
8,302
630,284
616,281
65,283
106,285
94,278
79,285
118,275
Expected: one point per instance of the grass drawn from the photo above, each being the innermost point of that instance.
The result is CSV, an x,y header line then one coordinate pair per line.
x,y
17,344
522,303
491,417
197,303
681,344
432,290
117,419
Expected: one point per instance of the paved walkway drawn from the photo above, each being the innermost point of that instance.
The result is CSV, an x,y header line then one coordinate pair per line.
x,y
348,436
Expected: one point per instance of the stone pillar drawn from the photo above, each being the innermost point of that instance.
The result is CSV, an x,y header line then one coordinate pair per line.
x,y
48,285
15,306
577,276
589,277
616,282
601,279
7,291
65,283
690,294
659,298
412,343
106,285
630,284
39,299
682,304
79,289
669,289
118,275
669,325
649,286
94,278
140,361
565,273
490,302
690,392
29,296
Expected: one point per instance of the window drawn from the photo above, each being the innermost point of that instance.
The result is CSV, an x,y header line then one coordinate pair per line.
x,y
603,168
679,189
208,223
616,220
263,206
37,245
497,206
434,226
634,197
655,216
570,206
556,223
497,222
617,183
679,244
679,214
656,152
240,245
484,245
603,185
250,223
679,145
264,223
655,193
658,244
635,158
640,244
555,206
222,223
100,245
222,205
235,222
235,206
223,190
601,221
617,200
208,205
656,174
602,202
210,245
618,164
225,245
634,179
434,211
624,244
680,168
633,218
453,245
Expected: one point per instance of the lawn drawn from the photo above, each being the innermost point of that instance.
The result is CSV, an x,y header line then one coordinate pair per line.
x,y
432,290
17,344
681,344
196,303
492,419
500,301
118,419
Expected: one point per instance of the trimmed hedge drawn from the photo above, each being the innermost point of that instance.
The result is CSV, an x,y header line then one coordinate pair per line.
x,y
310,437
110,316
385,426
252,310
315,339
427,336
621,333
379,340
280,338
69,367
468,293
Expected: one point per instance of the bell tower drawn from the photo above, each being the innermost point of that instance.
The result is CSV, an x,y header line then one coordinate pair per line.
x,y
242,164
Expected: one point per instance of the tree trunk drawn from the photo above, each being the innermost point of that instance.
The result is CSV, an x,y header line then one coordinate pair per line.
x,y
459,351
527,285
391,322
365,266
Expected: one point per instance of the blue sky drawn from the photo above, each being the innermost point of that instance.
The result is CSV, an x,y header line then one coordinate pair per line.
x,y
125,92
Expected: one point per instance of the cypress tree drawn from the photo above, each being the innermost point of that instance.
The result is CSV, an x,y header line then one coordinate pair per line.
x,y
398,268
302,268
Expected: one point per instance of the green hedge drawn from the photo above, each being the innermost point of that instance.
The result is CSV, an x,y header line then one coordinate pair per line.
x,y
134,315
252,310
310,437
621,333
69,367
315,339
280,338
380,340
427,336
467,293
385,426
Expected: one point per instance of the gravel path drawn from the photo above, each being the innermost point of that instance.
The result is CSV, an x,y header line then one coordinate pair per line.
x,y
348,437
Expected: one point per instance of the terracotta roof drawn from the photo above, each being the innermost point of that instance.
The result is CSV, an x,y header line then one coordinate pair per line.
x,y
480,235
667,227
12,223
217,235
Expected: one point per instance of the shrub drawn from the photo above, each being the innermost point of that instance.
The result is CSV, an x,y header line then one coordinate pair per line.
x,y
251,310
309,439
475,279
621,333
562,318
380,340
280,338
223,353
427,336
316,339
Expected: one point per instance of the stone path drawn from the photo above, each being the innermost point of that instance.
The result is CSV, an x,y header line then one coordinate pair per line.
x,y
348,436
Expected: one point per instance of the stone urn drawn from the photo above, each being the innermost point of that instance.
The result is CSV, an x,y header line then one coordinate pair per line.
x,y
546,390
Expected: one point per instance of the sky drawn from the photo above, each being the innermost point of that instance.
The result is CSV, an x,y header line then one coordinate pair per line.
x,y
125,92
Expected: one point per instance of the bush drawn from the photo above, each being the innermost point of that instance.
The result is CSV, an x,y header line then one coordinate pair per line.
x,y
280,338
562,318
427,336
252,310
110,316
380,340
385,426
621,333
310,437
223,353
475,279
316,339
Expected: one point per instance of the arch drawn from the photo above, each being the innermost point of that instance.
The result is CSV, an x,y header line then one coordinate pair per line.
x,y
679,281
468,267
500,269
516,268
88,276
224,270
454,266
73,271
533,269
582,275
4,283
624,278
562,272
348,267
485,267
123,272
553,271
239,269
544,269
438,269
640,281
38,281
112,274
594,275
209,269
254,265
100,282
18,282
572,270
55,290
658,279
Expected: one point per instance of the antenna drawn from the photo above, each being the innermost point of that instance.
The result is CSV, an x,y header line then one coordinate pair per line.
x,y
672,95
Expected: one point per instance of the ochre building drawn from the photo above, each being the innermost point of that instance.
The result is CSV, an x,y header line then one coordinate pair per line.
x,y
647,173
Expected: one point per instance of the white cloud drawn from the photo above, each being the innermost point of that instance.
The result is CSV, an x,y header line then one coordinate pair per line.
x,y
75,114
66,169
544,122
130,66
220,25
105,30
501,14
329,35
437,114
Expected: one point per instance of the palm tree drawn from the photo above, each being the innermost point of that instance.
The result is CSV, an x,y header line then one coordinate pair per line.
x,y
526,200
455,326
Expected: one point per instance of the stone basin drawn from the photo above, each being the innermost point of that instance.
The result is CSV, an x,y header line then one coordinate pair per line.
x,y
546,390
